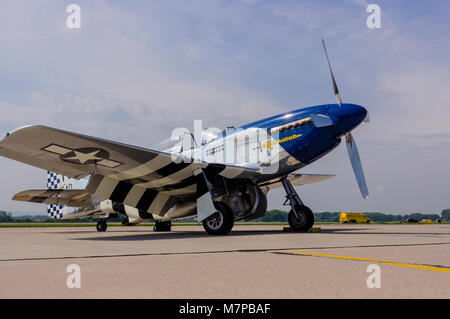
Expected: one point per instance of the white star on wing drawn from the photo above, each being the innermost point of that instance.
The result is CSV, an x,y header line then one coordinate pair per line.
x,y
83,158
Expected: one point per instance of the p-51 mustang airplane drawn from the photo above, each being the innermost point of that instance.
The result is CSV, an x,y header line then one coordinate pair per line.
x,y
215,181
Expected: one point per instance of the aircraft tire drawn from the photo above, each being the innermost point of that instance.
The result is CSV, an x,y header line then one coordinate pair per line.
x,y
102,225
305,223
162,226
221,222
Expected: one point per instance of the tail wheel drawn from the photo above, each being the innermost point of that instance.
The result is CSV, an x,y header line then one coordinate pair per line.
x,y
101,225
221,222
304,221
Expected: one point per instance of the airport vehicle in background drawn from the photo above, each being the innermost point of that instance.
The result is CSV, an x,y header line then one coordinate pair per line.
x,y
145,184
353,218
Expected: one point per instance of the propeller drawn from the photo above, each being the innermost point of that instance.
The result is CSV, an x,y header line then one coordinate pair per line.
x,y
353,154
336,91
352,149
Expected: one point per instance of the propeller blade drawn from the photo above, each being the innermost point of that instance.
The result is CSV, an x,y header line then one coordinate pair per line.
x,y
336,91
356,164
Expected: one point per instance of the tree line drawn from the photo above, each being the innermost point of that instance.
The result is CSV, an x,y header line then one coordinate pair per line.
x,y
273,215
276,215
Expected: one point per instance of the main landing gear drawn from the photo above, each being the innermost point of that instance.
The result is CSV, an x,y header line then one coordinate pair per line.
x,y
300,217
221,222
101,225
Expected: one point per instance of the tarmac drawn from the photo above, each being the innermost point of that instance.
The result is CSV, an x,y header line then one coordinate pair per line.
x,y
411,261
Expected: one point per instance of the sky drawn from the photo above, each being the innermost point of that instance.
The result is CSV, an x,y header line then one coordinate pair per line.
x,y
136,70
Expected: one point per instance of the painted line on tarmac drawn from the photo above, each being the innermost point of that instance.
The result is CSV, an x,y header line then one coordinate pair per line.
x,y
206,252
444,269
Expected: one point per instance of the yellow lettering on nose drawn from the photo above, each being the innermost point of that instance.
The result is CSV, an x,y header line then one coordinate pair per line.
x,y
288,138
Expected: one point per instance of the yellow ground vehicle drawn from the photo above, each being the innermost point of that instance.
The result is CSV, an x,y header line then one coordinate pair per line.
x,y
353,218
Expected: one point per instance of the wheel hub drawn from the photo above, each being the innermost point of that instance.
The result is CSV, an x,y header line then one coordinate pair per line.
x,y
299,218
215,221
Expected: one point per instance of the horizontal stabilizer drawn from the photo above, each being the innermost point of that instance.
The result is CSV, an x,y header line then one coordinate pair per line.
x,y
95,212
67,197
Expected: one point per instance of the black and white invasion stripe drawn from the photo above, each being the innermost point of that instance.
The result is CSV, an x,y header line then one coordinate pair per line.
x,y
154,186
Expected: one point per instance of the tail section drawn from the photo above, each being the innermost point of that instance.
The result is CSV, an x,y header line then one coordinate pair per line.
x,y
57,181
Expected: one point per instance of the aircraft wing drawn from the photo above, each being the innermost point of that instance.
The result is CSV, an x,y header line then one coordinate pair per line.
x,y
297,180
146,179
66,197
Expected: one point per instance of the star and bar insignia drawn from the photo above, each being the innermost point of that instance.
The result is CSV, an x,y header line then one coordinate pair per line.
x,y
84,155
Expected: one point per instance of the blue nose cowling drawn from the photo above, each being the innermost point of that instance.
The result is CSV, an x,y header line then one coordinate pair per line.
x,y
349,115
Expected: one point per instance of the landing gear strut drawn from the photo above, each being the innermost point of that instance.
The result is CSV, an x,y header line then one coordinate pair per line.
x,y
101,225
300,217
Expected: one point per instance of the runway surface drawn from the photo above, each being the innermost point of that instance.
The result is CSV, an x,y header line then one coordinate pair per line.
x,y
250,262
